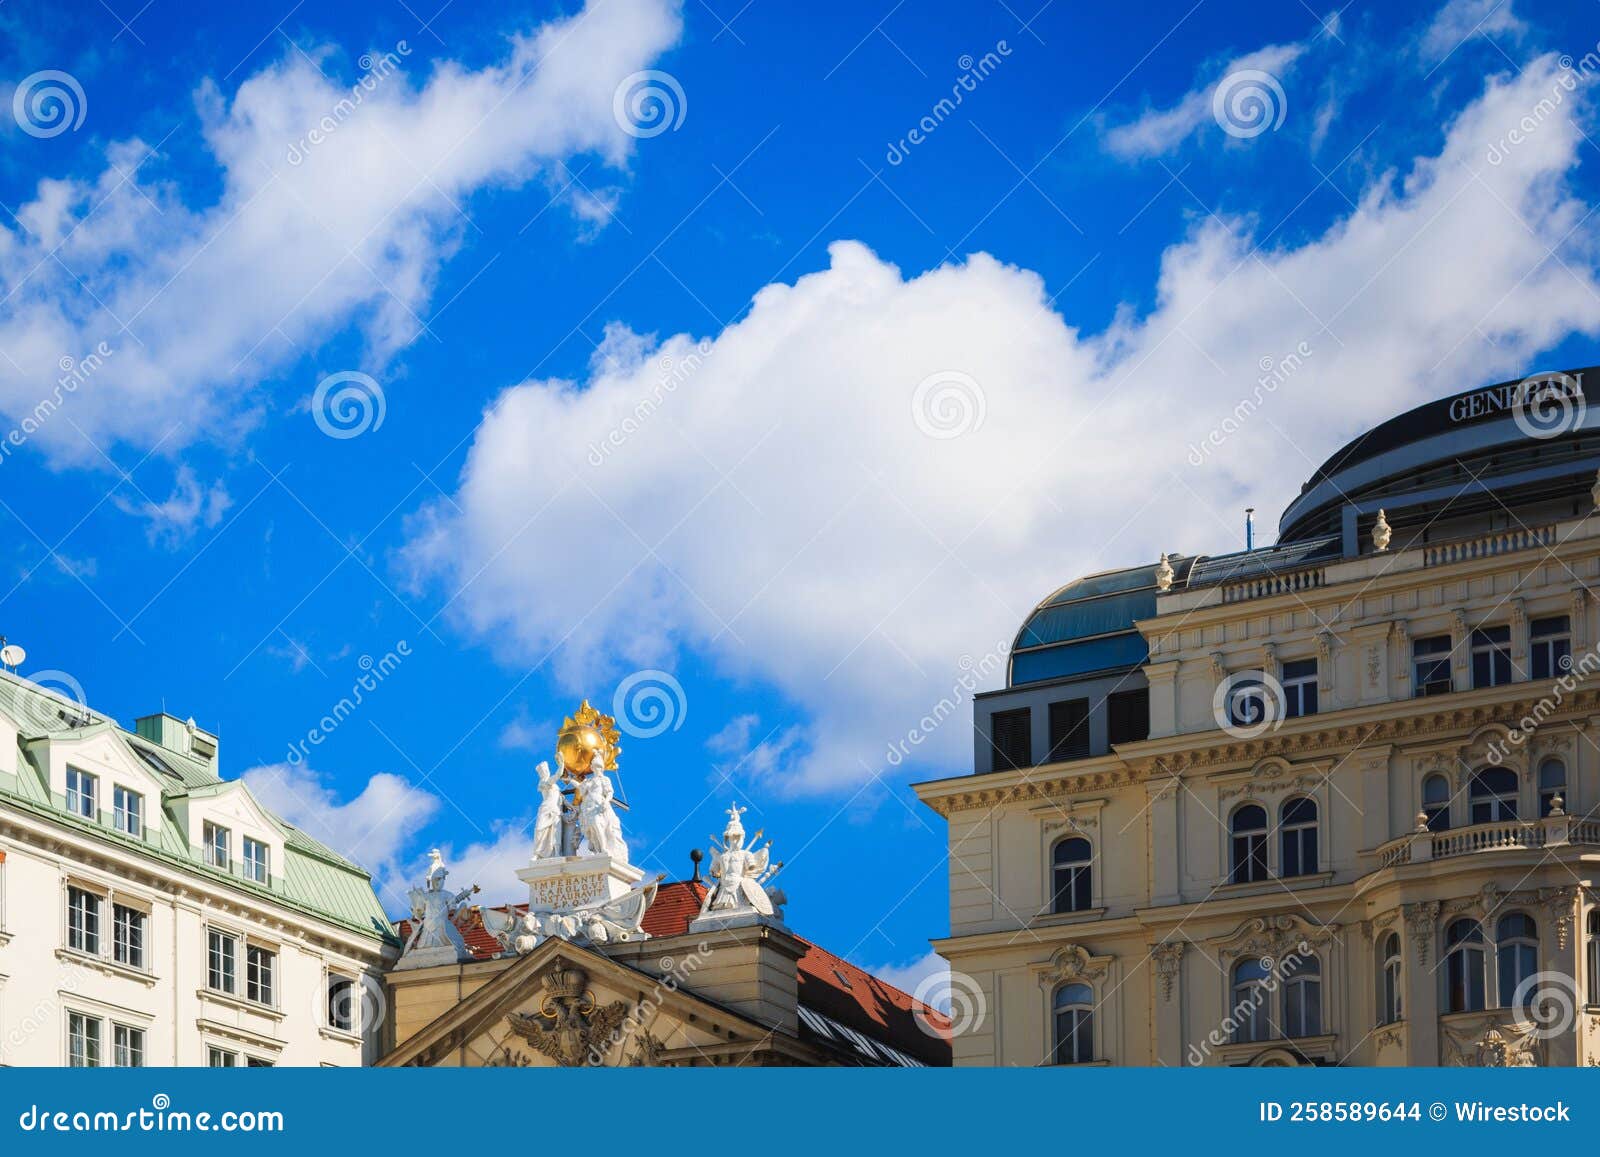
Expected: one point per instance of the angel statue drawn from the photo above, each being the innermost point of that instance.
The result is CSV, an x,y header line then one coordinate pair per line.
x,y
547,823
740,872
432,909
597,814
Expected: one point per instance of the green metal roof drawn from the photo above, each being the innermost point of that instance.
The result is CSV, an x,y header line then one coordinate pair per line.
x,y
315,879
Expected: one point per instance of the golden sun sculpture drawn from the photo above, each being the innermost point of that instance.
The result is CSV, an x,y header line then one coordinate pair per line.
x,y
583,735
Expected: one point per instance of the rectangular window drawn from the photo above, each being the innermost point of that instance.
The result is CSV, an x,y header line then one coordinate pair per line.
x,y
259,963
127,1047
1128,716
127,936
221,1058
127,812
257,865
1491,656
1430,659
81,794
218,852
83,921
1011,734
257,1063
341,1003
83,1041
221,950
1069,730
1550,644
1300,688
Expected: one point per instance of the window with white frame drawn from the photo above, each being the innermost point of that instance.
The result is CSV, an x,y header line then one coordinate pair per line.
x,y
1550,647
217,1058
82,793
1491,656
127,935
83,1041
1300,688
257,860
1436,802
222,953
127,1046
1430,663
1070,867
127,811
1464,964
1297,835
218,846
260,965
1073,1007
83,920
258,1063
1302,996
1248,840
1251,1013
1390,993
1493,795
1553,784
341,1003
1516,945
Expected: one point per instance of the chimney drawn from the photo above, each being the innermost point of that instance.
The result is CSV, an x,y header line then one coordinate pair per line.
x,y
179,735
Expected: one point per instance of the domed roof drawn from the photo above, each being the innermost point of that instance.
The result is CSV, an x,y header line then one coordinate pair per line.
x,y
1087,625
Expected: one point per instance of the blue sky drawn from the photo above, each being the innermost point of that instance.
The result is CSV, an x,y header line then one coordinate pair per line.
x,y
801,401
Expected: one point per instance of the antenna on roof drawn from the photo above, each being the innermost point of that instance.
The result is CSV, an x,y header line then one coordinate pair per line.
x,y
11,655
1249,527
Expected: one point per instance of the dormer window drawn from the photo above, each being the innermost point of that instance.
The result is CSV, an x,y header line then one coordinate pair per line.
x,y
82,797
219,846
127,811
257,861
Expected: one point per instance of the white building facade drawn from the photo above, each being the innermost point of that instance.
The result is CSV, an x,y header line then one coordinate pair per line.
x,y
152,913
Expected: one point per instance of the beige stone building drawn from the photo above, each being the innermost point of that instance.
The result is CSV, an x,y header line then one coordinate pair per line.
x,y
1334,801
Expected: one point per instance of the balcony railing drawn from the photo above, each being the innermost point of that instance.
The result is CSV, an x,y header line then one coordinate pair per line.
x,y
1506,835
1487,545
1273,584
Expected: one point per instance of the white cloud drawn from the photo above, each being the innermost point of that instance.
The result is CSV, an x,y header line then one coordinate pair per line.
x,y
1159,131
491,862
375,829
1459,20
190,506
781,512
928,974
304,238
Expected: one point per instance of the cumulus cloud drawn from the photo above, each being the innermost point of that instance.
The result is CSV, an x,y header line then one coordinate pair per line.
x,y
786,497
929,975
1159,131
199,304
492,862
375,828
191,506
1459,20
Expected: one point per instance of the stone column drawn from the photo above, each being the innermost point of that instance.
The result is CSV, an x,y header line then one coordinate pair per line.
x,y
1166,844
1421,1010
1163,680
1562,953
1166,995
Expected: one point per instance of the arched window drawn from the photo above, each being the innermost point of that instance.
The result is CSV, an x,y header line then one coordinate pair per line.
x,y
1249,838
1463,967
1297,833
1302,996
1592,955
1516,940
1070,865
1436,802
1251,1016
1552,783
1074,1013
1390,1001
1494,795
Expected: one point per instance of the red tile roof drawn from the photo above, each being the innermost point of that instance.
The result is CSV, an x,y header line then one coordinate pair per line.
x,y
827,983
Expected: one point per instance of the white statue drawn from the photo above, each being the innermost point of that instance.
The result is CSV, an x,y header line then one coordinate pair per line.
x,y
547,823
740,872
597,814
433,909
